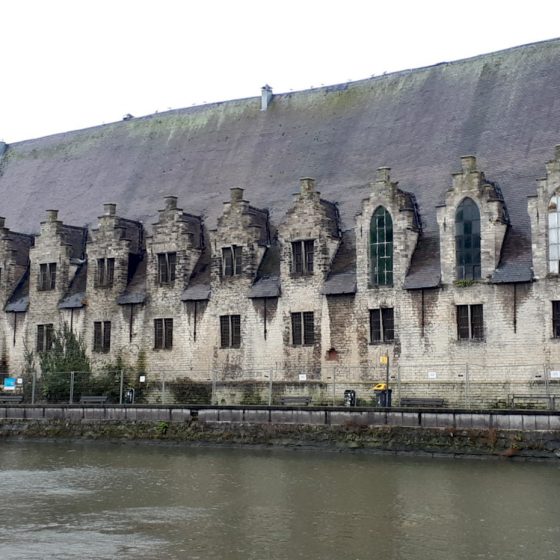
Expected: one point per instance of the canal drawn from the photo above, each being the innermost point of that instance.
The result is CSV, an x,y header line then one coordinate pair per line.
x,y
98,500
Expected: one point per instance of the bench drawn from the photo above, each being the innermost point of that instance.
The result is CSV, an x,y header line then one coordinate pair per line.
x,y
549,400
91,399
11,399
295,401
427,402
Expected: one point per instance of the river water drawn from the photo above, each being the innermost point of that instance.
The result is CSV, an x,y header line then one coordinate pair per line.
x,y
98,500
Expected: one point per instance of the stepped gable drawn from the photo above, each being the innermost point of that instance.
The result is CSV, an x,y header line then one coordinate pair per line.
x,y
502,107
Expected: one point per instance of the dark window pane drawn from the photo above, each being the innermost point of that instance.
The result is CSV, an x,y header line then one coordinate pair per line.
x,y
463,331
168,333
158,333
375,325
224,331
296,329
381,247
388,324
235,331
308,328
477,322
227,261
556,319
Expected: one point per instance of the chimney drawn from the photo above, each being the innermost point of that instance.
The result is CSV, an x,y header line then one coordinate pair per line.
x,y
383,174
52,215
109,209
266,97
2,222
170,202
3,147
468,163
556,152
236,195
307,185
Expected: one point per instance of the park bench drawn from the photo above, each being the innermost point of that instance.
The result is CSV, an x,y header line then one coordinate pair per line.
x,y
11,399
422,402
295,401
92,399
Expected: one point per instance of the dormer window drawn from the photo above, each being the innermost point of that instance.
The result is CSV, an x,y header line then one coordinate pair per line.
x,y
47,277
105,273
467,240
167,263
231,260
381,248
303,257
554,234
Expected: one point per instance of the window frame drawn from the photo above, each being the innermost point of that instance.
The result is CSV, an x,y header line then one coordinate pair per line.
x,y
468,241
232,261
382,325
303,328
555,319
105,272
381,245
163,333
102,337
553,234
166,268
44,341
46,280
470,322
303,257
230,331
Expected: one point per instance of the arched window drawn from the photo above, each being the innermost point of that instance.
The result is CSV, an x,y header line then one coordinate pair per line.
x,y
381,248
467,240
554,234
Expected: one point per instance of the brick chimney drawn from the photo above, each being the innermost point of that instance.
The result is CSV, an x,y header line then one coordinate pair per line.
x,y
266,97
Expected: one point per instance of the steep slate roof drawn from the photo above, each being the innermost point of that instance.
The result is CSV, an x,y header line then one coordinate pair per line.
x,y
503,107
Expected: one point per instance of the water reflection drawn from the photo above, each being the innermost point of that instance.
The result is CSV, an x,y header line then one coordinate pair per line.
x,y
127,501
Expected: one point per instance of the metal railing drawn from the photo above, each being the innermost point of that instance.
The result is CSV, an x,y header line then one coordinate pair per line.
x,y
468,386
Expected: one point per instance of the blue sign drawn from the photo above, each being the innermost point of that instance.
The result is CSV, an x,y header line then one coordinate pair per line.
x,y
10,383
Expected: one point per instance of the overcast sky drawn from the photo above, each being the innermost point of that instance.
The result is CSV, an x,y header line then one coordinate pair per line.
x,y
68,64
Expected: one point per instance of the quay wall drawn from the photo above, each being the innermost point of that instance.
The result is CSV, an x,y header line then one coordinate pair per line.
x,y
518,434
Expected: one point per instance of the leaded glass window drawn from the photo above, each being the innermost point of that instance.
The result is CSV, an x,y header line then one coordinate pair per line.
x,y
381,248
467,240
554,234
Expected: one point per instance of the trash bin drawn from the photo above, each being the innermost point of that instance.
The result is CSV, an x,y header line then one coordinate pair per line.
x,y
383,397
349,397
129,396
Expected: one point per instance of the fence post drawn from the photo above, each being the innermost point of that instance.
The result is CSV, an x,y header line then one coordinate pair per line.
x,y
71,387
467,400
270,374
214,373
334,386
163,388
399,382
121,388
33,385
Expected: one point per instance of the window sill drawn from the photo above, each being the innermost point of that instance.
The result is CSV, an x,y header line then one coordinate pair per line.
x,y
467,340
230,347
382,343
162,349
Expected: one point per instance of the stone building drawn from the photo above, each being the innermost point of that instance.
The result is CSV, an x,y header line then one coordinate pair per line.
x,y
448,263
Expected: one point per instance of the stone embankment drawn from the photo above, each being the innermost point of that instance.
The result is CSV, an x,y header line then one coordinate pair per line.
x,y
506,433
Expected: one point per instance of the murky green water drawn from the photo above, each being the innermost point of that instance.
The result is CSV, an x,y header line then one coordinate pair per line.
x,y
91,500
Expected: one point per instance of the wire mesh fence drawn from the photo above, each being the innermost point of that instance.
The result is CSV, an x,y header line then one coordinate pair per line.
x,y
456,385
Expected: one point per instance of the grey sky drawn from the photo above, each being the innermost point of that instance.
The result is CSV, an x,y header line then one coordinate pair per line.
x,y
68,64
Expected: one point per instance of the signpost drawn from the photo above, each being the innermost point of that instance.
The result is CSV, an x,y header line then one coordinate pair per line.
x,y
384,361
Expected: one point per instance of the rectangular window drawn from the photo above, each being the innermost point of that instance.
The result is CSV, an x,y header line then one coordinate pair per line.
x,y
102,336
556,319
381,325
470,322
163,334
230,331
232,260
166,268
44,337
302,257
303,329
47,277
105,273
